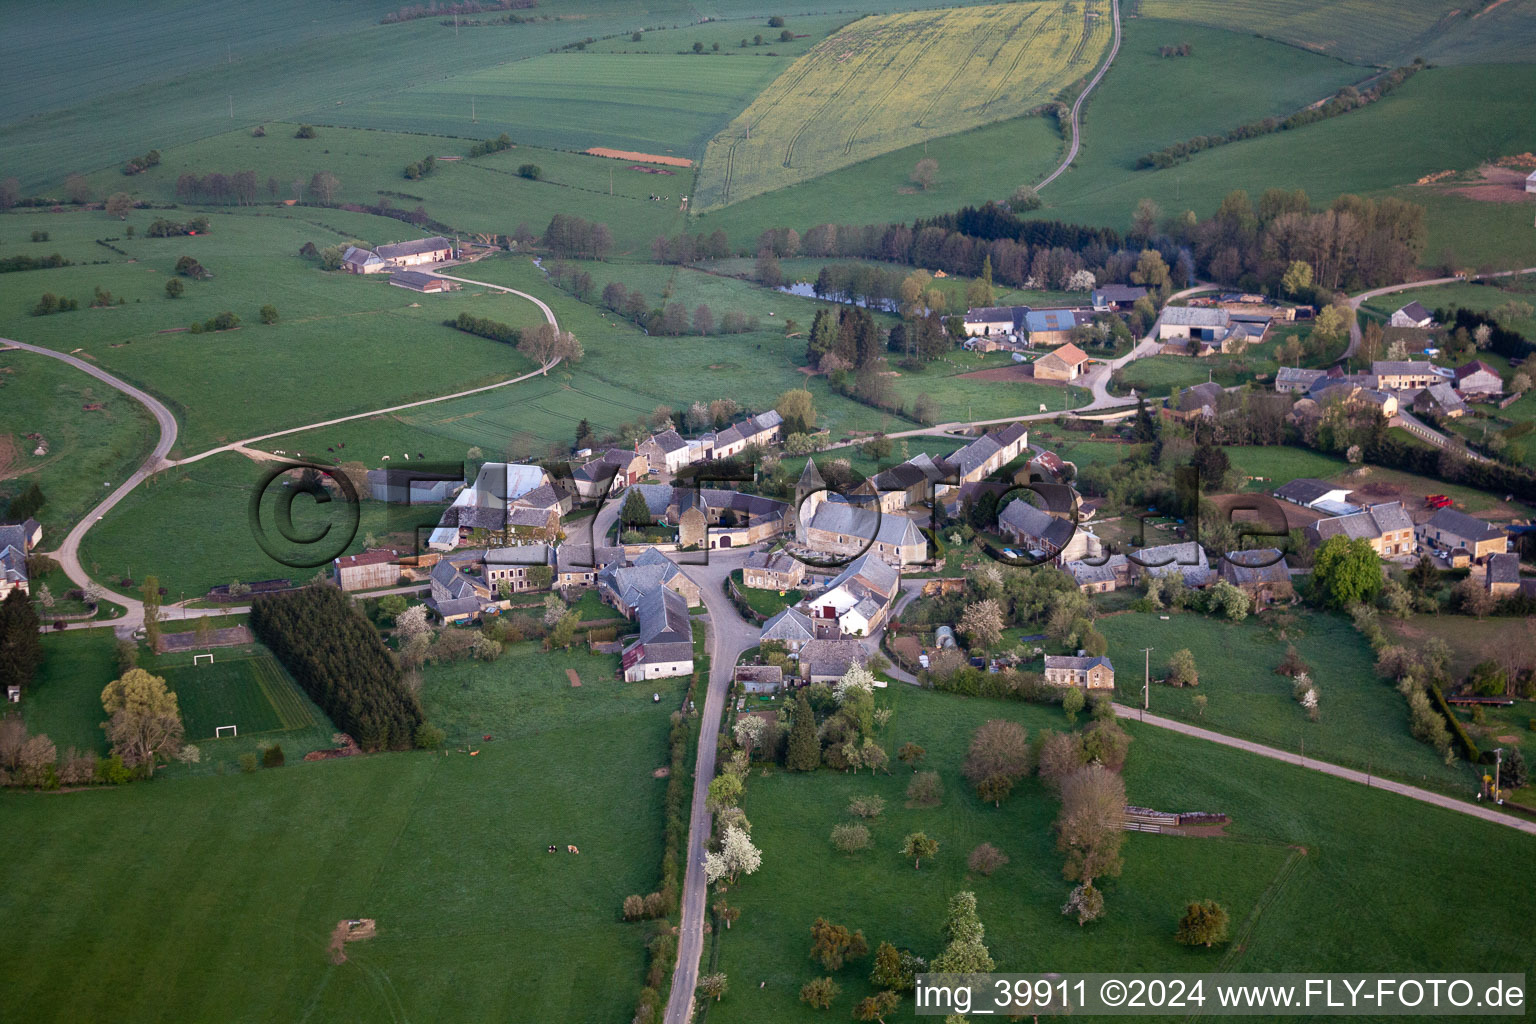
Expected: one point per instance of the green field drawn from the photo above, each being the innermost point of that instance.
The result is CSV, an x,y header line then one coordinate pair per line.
x,y
885,83
253,694
1364,722
1364,31
1358,852
343,343
39,395
248,874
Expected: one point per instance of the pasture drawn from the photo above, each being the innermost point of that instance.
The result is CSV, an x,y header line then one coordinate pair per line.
x,y
91,434
342,344
1364,721
1364,31
1356,841
888,82
444,850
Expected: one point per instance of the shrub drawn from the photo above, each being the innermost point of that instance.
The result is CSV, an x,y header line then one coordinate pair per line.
x,y
273,757
986,859
39,236
530,171
269,314
249,762
306,131
634,908
174,288
850,838
429,737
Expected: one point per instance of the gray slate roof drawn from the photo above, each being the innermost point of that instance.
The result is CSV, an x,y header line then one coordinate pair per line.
x,y
831,657
395,250
791,626
1504,568
1031,522
1195,316
1083,572
1459,524
854,521
1304,490
1244,567
1076,663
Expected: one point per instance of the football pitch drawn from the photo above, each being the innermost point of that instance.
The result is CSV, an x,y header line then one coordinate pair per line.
x,y
253,694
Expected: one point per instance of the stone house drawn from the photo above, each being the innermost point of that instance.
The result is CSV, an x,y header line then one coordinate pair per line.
x,y
1089,673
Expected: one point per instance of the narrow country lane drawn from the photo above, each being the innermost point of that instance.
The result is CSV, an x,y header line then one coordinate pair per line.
x,y
1077,107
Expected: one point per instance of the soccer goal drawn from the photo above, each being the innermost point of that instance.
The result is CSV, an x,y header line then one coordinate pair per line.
x,y
209,656
220,731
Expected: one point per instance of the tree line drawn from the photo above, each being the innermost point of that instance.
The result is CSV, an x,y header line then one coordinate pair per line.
x,y
1345,100
570,237
332,651
434,10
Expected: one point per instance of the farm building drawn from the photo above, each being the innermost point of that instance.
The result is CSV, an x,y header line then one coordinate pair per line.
x,y
1449,529
1089,673
726,519
826,661
757,679
1412,315
1202,401
416,281
1309,493
1400,375
1441,399
856,602
1116,297
1502,578
609,473
625,586
1261,573
1193,323
988,453
410,254
910,483
1386,527
762,429
483,504
667,452
1478,379
1186,559
1066,363
1050,326
577,565
841,528
988,320
411,487
377,567
362,261
791,627
664,647
1094,577
1295,378
1042,533
772,570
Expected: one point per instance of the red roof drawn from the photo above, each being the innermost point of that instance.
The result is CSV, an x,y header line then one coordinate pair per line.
x,y
372,557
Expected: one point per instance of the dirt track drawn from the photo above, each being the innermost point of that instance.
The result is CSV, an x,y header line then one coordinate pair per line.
x,y
650,158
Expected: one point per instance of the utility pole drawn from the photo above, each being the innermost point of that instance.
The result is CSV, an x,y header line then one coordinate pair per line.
x,y
1146,679
1498,763
231,106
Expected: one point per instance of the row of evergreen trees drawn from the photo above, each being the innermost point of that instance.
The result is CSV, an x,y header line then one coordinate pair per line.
x,y
21,650
340,661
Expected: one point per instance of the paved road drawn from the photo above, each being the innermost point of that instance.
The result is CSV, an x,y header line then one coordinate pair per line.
x,y
1348,774
68,553
1077,107
1355,301
729,635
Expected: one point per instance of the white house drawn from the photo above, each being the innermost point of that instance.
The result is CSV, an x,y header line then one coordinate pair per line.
x,y
421,250
857,599
665,645
1412,315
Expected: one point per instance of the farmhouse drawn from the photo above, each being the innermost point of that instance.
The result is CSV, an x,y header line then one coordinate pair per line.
x,y
577,565
726,519
1116,297
911,483
1478,379
362,261
988,320
772,570
1399,375
1044,534
757,679
988,453
416,281
410,254
624,586
856,602
1387,527
827,661
1295,378
483,505
1440,399
1066,363
1089,673
1502,578
666,452
791,627
376,567
1049,326
1412,315
839,527
609,473
1202,401
1261,573
1316,494
470,583
1100,577
545,497
16,540
1193,323
1185,559
760,430
664,646
1449,529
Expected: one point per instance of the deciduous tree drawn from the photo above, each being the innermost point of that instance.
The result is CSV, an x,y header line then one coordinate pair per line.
x,y
998,758
145,720
1204,924
918,845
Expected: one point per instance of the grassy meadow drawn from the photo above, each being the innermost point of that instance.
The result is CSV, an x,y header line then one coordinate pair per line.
x,y
888,82
1362,31
248,874
1299,845
85,449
